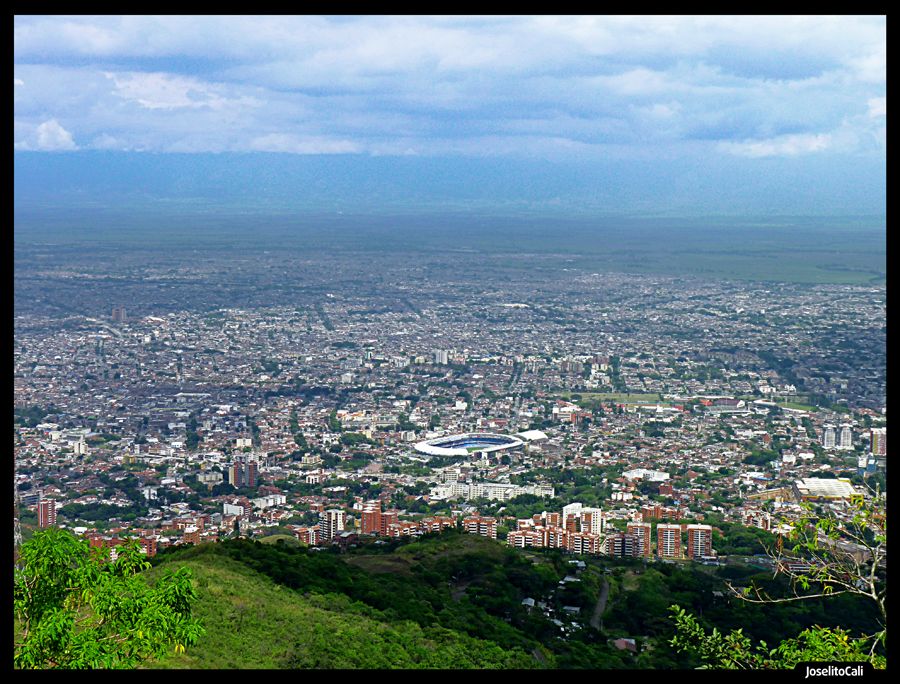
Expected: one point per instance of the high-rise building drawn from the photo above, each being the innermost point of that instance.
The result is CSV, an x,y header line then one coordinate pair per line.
x,y
244,472
235,475
828,437
592,520
668,540
846,438
370,520
584,543
389,518
571,509
309,535
641,532
331,522
699,541
621,545
879,441
251,473
148,544
441,356
553,519
484,526
47,513
118,314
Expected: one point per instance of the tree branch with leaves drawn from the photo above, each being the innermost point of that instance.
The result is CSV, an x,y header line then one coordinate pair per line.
x,y
735,651
841,549
75,607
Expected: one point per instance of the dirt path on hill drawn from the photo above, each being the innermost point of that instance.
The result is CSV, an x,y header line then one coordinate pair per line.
x,y
601,605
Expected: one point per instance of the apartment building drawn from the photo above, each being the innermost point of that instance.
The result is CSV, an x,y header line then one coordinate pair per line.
x,y
668,540
47,513
331,522
641,531
484,526
699,541
621,545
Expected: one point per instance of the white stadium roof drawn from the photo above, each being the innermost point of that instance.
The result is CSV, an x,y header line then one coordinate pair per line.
x,y
434,447
532,435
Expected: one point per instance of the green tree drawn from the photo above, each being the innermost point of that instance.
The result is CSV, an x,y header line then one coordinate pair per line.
x,y
76,608
827,554
300,440
192,437
824,555
735,651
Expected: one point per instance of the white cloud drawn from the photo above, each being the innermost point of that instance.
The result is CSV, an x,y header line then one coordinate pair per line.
x,y
48,136
106,142
167,91
284,142
639,81
877,107
18,82
660,110
454,84
781,146
871,67
52,136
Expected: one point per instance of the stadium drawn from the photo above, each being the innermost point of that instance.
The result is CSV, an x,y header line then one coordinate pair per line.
x,y
467,443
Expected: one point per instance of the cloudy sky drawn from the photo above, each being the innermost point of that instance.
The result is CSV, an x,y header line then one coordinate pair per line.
x,y
698,98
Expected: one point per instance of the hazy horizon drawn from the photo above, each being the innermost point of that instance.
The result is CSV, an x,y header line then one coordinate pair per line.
x,y
569,116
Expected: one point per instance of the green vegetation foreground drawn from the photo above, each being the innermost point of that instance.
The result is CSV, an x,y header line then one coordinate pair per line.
x,y
449,601
76,608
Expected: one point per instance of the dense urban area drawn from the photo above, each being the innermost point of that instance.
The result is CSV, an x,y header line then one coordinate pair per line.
x,y
368,398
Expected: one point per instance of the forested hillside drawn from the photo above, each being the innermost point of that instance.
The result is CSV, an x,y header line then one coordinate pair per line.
x,y
460,601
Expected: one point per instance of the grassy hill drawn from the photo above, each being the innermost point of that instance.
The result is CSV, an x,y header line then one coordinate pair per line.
x,y
453,600
252,622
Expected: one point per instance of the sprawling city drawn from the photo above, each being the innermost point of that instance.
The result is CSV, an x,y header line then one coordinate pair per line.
x,y
603,414
443,438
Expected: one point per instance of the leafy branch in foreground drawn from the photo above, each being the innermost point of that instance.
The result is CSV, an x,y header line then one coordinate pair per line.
x,y
735,651
842,551
74,607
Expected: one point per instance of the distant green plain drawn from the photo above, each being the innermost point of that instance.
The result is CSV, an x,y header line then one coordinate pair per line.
x,y
800,250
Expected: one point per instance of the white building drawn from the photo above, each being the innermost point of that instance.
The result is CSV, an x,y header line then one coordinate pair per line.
x,y
846,439
592,520
644,474
232,509
499,491
814,488
268,501
331,522
571,509
828,437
